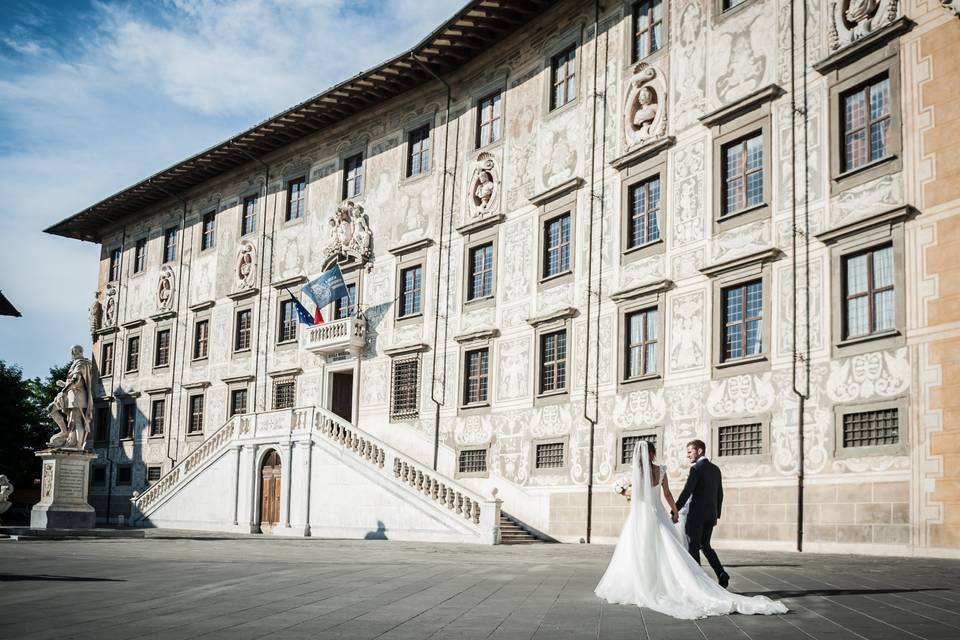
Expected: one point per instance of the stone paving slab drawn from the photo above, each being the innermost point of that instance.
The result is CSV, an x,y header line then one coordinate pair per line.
x,y
220,587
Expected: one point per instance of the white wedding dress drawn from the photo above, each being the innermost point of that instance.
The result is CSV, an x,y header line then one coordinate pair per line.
x,y
652,568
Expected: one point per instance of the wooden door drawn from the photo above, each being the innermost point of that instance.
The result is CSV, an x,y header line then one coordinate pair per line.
x,y
270,492
341,402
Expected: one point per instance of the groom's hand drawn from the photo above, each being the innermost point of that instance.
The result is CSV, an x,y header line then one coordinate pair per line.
x,y
675,516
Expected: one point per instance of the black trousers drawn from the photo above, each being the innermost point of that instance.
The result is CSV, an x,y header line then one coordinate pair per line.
x,y
699,538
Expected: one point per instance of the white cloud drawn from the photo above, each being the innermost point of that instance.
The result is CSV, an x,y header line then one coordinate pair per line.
x,y
136,92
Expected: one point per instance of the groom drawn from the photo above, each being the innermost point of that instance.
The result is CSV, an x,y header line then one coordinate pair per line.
x,y
704,486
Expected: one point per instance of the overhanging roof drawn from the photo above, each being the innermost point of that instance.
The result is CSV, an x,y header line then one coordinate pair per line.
x,y
480,24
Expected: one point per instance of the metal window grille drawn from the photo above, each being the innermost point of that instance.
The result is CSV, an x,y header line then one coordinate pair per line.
x,y
563,70
641,344
288,321
644,201
743,320
488,120
473,461
115,265
238,401
480,283
556,246
869,296
742,174
124,475
140,255
248,219
296,198
627,444
866,123
153,474
170,245
196,414
871,428
740,440
549,455
647,28
553,361
157,416
477,375
411,283
418,151
208,230
353,176
405,401
106,359
244,330
284,393
162,356
133,353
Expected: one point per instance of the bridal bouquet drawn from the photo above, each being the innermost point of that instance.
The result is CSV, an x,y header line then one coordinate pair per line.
x,y
621,486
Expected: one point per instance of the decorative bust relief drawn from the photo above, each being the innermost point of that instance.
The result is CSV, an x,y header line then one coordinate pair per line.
x,y
246,273
645,110
110,307
350,235
165,289
483,198
851,20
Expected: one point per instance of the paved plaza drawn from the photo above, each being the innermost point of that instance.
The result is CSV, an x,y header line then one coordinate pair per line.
x,y
223,587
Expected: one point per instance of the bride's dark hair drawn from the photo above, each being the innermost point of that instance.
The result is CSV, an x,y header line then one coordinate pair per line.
x,y
651,448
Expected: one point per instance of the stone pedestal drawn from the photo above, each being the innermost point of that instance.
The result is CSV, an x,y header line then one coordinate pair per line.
x,y
63,491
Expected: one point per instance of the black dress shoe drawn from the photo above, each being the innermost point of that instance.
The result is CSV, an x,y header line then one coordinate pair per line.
x,y
724,579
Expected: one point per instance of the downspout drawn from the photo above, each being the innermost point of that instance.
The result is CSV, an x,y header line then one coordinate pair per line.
x,y
266,286
438,402
592,419
802,394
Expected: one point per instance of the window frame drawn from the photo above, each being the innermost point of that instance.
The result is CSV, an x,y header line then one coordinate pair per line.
x,y
232,389
563,470
101,433
195,339
766,454
208,242
127,420
409,155
556,322
275,382
473,241
161,330
458,473
127,468
191,413
630,10
169,248
281,320
106,365
654,168
656,431
244,199
399,359
289,183
94,469
640,299
345,179
901,448
146,475
139,256
552,65
235,347
738,129
128,351
466,403
114,263
152,432
497,95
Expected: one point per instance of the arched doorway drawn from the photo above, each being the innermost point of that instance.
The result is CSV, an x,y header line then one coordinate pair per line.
x,y
270,492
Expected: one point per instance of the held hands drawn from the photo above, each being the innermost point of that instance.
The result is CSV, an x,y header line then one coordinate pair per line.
x,y
674,516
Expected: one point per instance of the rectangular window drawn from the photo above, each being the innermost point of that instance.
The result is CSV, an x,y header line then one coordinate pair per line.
x,y
641,356
158,411
195,425
243,330
556,246
208,230
238,402
114,265
480,282
866,123
871,428
296,198
411,284
644,202
476,376
647,28
284,393
418,151
201,339
248,216
128,420
124,475
162,355
99,478
563,78
742,309
553,361
629,443
869,294
140,255
405,401
133,353
353,176
742,174
101,429
153,474
170,244
288,321
489,120
730,4
106,359
740,440
472,461
549,455
343,306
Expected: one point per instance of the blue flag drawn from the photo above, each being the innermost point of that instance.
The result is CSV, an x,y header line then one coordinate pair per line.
x,y
327,288
302,314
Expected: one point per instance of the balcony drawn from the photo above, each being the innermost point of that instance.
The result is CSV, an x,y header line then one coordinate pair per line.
x,y
334,337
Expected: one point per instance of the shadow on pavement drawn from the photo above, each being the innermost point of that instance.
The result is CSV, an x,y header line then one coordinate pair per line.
x,y
7,577
802,593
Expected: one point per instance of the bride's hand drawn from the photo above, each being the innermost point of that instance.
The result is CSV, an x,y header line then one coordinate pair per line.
x,y
675,516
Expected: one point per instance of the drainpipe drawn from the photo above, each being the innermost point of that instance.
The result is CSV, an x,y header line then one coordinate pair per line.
x,y
438,402
266,286
110,461
802,394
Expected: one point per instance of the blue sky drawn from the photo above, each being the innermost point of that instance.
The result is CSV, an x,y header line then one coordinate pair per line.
x,y
96,95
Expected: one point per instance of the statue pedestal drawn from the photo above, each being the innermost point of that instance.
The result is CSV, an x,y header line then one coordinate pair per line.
x,y
63,491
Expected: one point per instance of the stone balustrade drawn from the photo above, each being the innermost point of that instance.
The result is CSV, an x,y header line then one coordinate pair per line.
x,y
348,334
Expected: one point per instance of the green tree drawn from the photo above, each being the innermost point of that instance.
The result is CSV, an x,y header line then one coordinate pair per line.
x,y
25,426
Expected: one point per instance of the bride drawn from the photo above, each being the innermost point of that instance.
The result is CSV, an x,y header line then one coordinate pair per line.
x,y
651,566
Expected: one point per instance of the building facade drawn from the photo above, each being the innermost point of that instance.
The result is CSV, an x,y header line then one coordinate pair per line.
x,y
591,223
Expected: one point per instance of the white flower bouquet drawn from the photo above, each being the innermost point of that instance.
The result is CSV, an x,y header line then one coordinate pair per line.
x,y
621,486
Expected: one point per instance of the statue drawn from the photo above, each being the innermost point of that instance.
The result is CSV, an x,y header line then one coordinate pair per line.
x,y
246,274
349,234
484,185
6,489
110,307
165,289
96,315
646,112
72,409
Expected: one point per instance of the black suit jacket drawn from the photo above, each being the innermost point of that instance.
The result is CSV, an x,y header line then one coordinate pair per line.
x,y
705,486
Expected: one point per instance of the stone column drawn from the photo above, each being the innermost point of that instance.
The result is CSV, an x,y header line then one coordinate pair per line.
x,y
63,491
254,483
236,484
308,446
287,471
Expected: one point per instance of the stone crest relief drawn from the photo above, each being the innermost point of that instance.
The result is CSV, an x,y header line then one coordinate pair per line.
x,y
166,286
851,20
483,198
877,374
246,275
686,327
350,235
644,113
743,394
